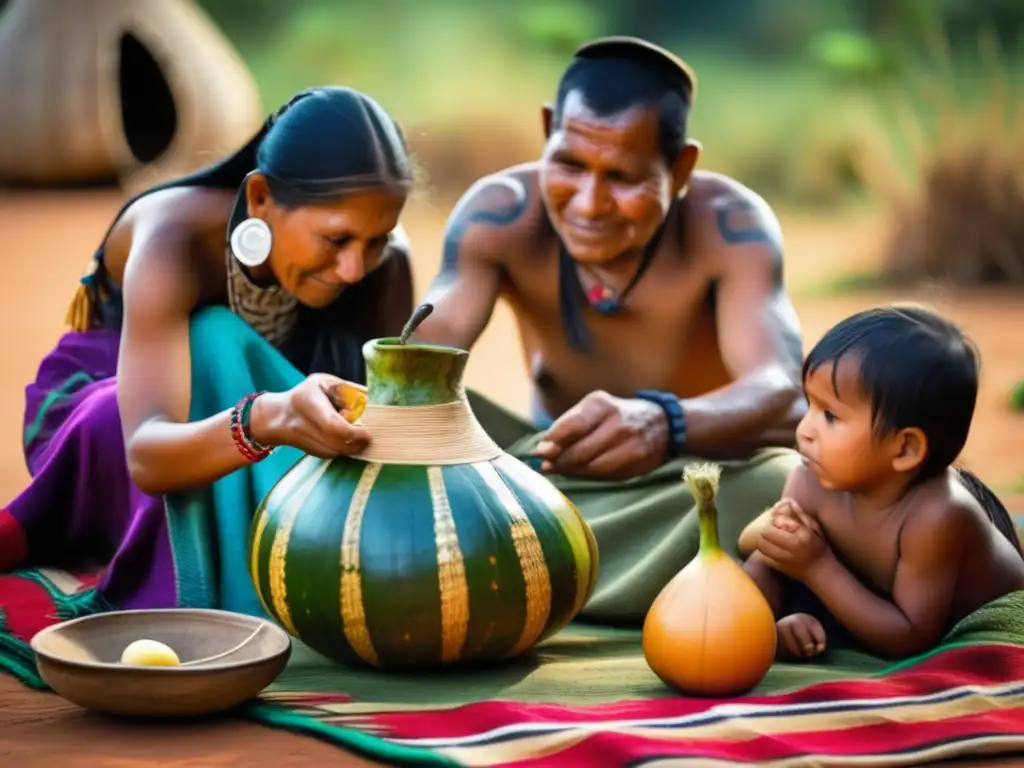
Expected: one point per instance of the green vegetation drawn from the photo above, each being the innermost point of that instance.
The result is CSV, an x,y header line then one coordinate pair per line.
x,y
1017,397
815,103
850,283
804,100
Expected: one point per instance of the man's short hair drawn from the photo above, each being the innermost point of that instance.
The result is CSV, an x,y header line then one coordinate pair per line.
x,y
614,74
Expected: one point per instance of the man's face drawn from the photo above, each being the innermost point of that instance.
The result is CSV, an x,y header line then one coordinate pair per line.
x,y
604,180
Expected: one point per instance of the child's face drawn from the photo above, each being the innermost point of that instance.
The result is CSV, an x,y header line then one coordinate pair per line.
x,y
836,438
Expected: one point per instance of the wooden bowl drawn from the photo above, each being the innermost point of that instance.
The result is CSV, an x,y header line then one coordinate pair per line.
x,y
80,660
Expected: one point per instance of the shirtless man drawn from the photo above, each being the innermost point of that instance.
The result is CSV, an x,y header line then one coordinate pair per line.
x,y
877,535
648,295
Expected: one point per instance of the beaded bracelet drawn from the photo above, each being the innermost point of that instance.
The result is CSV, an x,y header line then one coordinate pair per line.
x,y
249,448
675,414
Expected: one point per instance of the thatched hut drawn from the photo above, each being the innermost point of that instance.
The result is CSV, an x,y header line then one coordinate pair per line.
x,y
97,90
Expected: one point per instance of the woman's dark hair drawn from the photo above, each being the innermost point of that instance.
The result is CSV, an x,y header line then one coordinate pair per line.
x,y
917,369
324,143
329,141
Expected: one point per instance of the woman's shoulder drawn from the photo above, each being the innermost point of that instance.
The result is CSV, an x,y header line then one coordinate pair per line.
x,y
189,223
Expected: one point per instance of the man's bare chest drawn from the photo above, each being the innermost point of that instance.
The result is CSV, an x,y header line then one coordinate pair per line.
x,y
663,337
662,306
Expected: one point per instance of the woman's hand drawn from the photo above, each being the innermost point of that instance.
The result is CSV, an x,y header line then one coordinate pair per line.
x,y
314,416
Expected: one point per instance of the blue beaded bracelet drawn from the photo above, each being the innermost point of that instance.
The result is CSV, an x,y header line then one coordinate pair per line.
x,y
673,409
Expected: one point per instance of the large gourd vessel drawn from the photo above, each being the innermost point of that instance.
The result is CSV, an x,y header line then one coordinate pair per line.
x,y
430,548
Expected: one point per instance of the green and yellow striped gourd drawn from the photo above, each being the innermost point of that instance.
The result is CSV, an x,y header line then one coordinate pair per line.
x,y
430,548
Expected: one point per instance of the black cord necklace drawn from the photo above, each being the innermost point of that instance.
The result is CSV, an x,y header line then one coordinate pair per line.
x,y
600,297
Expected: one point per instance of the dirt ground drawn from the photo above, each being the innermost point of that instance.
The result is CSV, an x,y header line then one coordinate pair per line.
x,y
39,730
48,239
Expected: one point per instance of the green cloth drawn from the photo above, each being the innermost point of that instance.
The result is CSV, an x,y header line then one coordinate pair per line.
x,y
646,528
209,527
531,703
585,665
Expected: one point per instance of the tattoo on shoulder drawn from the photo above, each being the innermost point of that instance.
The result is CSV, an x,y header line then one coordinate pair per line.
x,y
740,223
509,210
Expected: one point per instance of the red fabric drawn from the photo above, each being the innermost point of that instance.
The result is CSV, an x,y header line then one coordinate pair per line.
x,y
26,607
877,740
13,544
975,665
961,701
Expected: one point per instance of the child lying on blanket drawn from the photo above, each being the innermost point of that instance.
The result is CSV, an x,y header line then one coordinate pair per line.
x,y
877,533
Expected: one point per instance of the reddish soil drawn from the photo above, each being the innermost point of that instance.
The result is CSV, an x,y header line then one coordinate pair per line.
x,y
49,238
40,730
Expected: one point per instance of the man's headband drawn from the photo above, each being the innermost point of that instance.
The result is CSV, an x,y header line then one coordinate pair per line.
x,y
631,46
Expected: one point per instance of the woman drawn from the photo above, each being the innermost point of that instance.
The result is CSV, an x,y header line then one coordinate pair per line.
x,y
147,440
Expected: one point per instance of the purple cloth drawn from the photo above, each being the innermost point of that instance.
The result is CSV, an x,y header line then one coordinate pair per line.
x,y
81,509
82,512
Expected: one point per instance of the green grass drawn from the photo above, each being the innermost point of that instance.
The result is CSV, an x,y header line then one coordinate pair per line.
x,y
843,284
436,67
1015,487
785,127
1017,397
424,63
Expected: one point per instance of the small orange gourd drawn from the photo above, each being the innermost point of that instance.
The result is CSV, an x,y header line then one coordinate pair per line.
x,y
349,400
710,632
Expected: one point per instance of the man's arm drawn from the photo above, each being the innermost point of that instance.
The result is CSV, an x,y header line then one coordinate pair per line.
x,y
931,547
465,289
759,337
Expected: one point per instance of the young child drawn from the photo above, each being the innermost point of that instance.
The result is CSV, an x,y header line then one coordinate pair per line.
x,y
877,533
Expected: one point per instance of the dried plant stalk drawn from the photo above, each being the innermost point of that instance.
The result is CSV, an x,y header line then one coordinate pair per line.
x,y
962,219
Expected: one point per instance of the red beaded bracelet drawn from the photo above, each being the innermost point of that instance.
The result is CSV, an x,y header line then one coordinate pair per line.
x,y
240,434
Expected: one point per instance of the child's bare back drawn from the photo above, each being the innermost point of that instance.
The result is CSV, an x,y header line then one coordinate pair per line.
x,y
935,556
938,527
889,538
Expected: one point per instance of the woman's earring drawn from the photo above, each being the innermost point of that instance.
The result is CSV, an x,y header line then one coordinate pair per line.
x,y
250,242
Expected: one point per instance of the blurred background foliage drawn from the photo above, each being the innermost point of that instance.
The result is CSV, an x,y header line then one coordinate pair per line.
x,y
885,133
912,108
912,104
791,90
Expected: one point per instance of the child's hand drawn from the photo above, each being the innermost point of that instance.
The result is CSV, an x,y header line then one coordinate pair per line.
x,y
801,636
794,543
788,516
